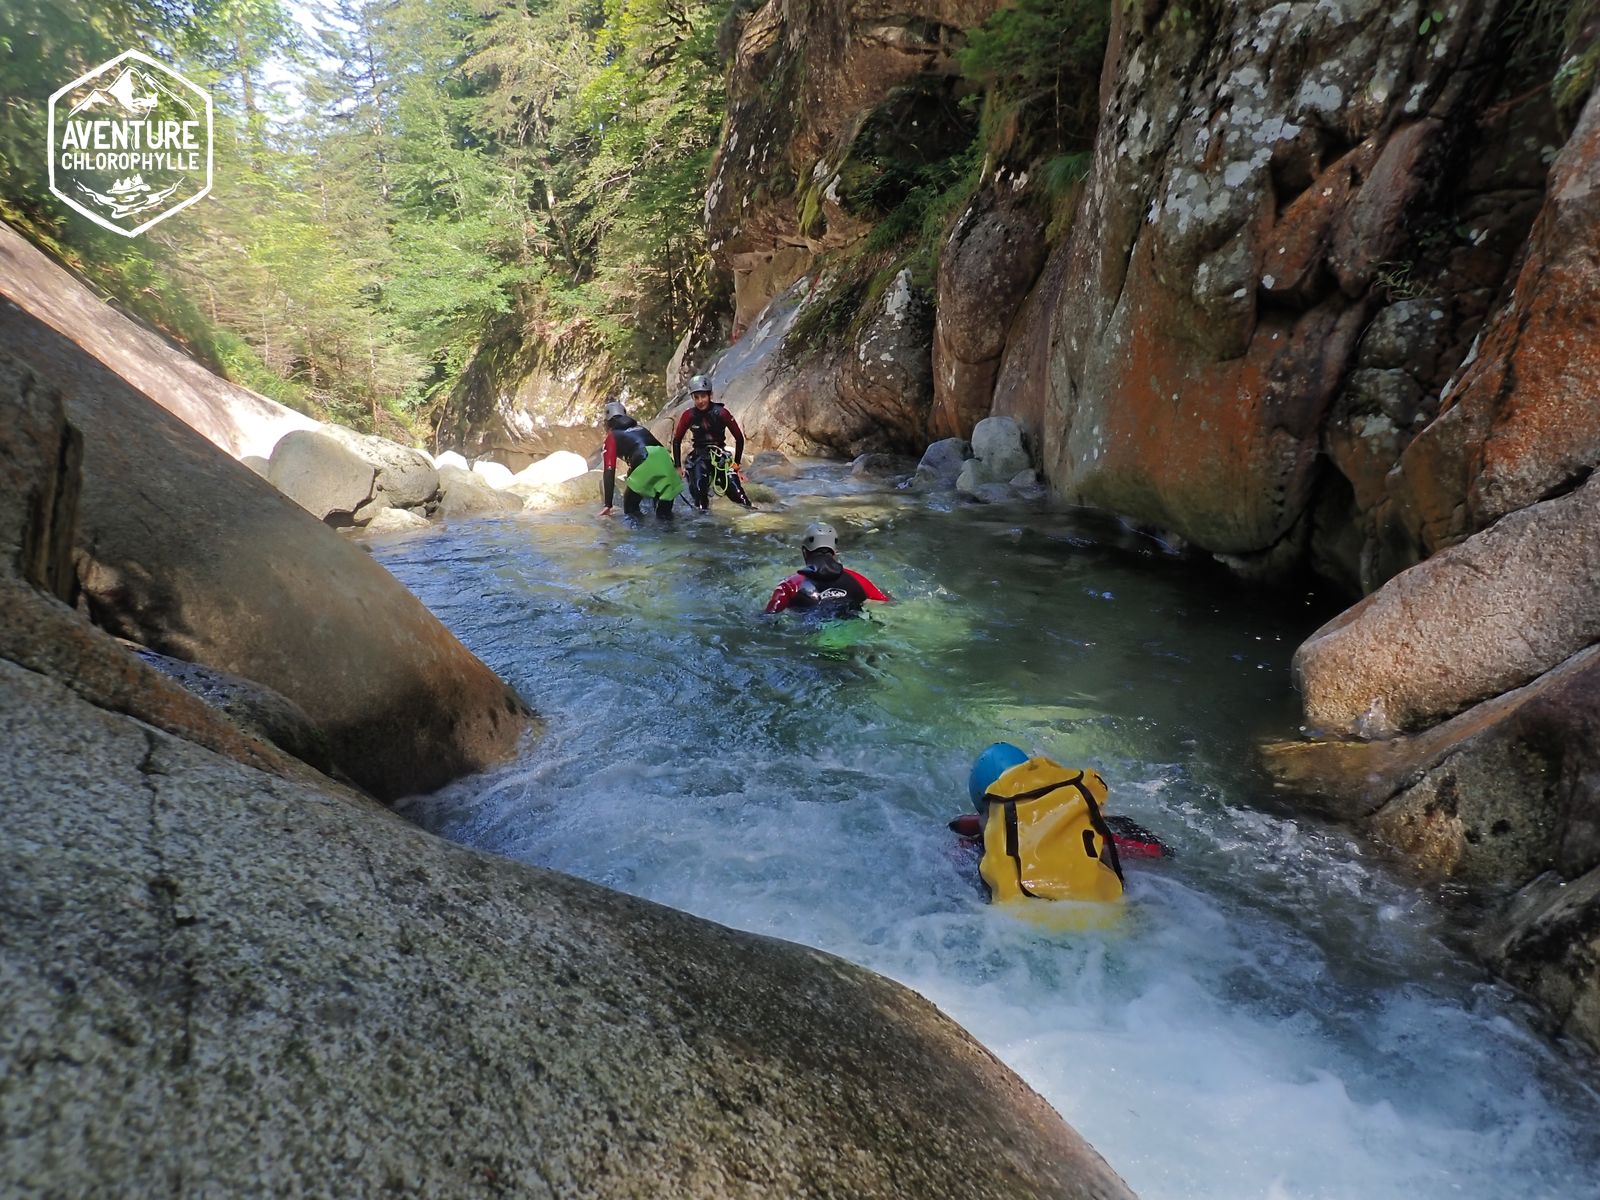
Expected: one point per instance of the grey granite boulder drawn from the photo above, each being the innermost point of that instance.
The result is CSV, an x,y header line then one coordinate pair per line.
x,y
204,561
218,982
1475,620
406,478
466,494
942,462
496,475
322,476
769,466
998,448
881,466
396,520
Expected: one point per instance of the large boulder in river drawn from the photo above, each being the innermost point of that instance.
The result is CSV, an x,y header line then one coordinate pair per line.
x,y
222,969
406,478
1475,620
1505,796
233,418
256,986
552,469
41,479
1492,797
468,494
183,550
321,476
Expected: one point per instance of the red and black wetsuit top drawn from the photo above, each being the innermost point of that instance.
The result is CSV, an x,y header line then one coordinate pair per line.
x,y
825,589
628,441
710,429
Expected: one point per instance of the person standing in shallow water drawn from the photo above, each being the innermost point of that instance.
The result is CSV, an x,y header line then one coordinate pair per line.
x,y
650,470
824,584
710,423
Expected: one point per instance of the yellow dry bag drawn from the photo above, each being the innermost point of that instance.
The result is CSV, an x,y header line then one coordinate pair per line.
x,y
1043,835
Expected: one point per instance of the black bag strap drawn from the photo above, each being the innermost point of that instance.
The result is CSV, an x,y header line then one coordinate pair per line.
x,y
1013,844
1096,819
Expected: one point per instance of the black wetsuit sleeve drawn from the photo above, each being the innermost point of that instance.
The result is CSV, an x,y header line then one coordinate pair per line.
x,y
608,481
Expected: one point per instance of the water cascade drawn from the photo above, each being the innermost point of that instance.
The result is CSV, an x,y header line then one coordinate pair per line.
x,y
1275,1013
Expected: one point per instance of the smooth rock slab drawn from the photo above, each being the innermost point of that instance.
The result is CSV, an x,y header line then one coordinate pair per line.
x,y
214,982
179,548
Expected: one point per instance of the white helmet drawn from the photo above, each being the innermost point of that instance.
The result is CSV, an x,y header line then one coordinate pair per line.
x,y
819,536
616,408
699,383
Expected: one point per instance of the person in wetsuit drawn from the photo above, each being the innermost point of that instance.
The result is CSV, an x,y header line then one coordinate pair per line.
x,y
710,423
824,584
650,469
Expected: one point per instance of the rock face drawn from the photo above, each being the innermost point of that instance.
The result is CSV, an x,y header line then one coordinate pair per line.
x,y
1522,422
989,262
871,395
1252,182
1548,943
233,418
520,400
1503,797
803,79
182,550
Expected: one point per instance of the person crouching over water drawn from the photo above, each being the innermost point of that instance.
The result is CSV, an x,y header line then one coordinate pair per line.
x,y
824,584
710,424
650,469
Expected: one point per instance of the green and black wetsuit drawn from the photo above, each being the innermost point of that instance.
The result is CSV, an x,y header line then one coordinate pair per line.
x,y
650,469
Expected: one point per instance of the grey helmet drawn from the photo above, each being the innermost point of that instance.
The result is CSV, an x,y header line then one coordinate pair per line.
x,y
699,383
615,408
819,536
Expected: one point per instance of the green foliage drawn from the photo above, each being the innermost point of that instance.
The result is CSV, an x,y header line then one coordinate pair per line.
x,y
1558,39
1041,59
457,170
1059,173
1398,281
240,363
1574,80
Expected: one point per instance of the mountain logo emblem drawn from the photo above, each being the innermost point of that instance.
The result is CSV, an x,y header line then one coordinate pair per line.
x,y
130,143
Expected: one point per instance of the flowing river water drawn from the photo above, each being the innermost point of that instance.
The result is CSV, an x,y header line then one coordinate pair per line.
x,y
1274,1012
